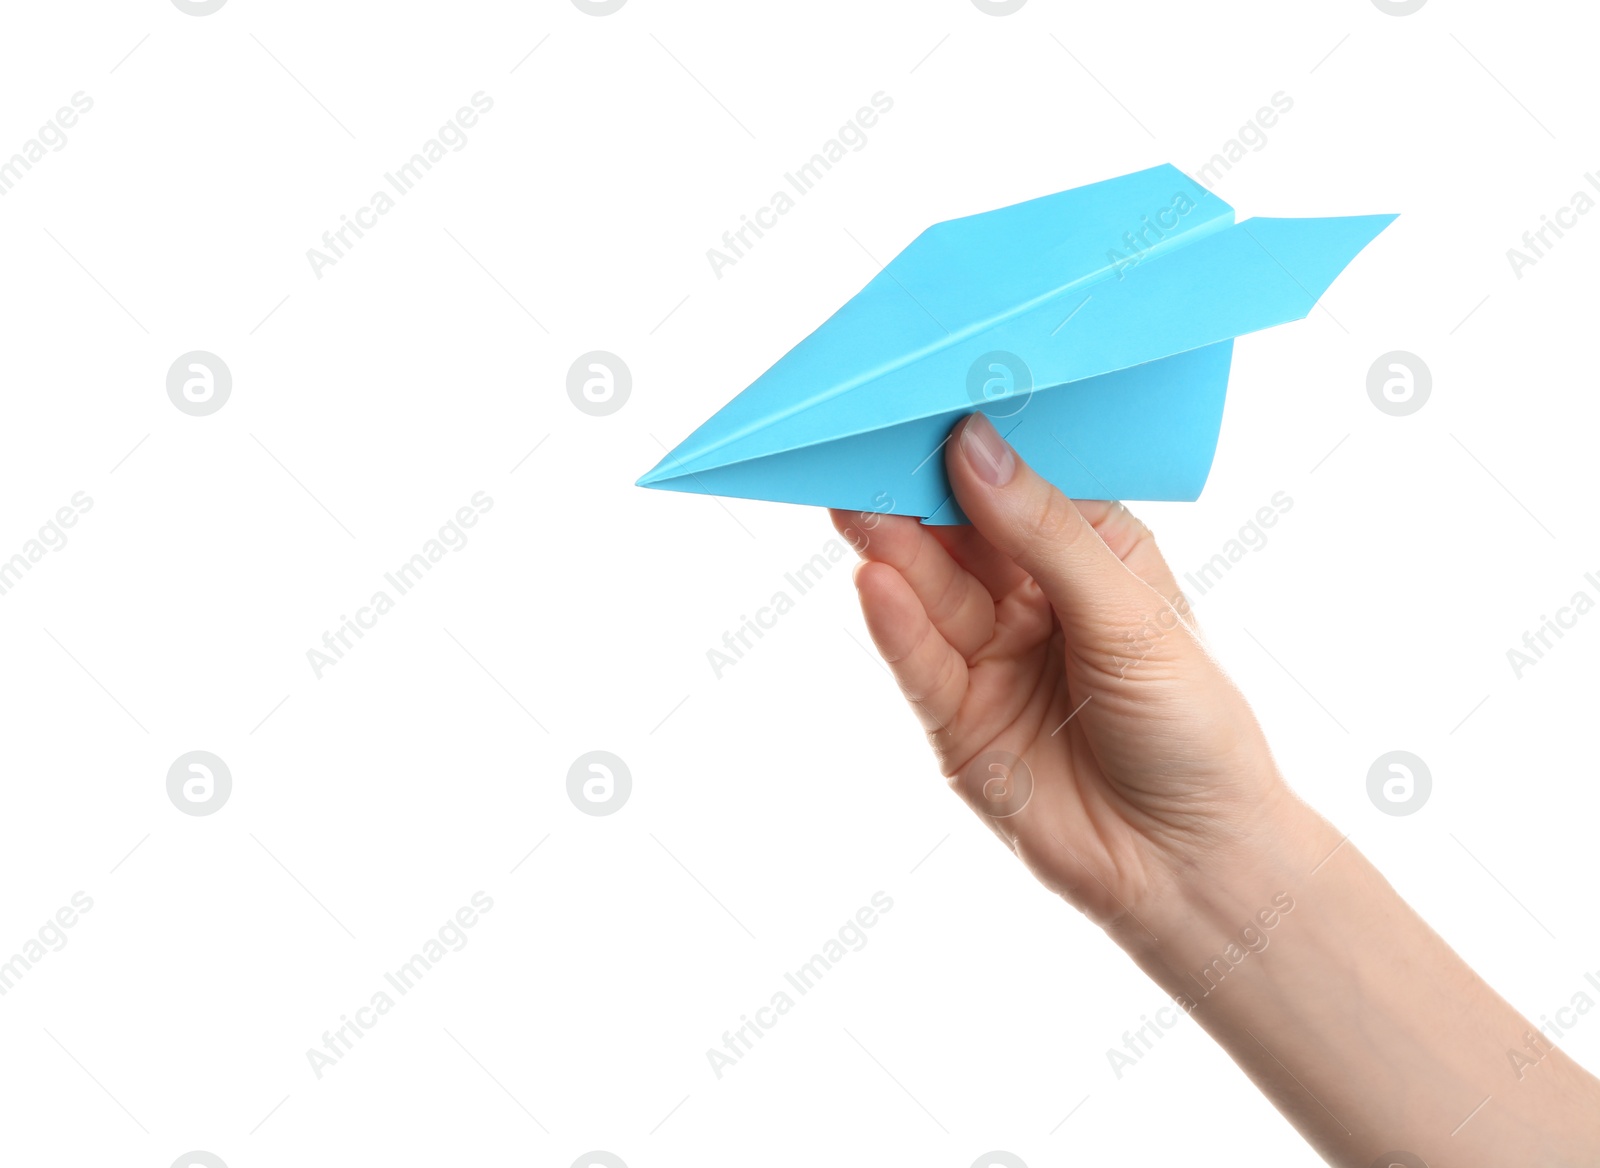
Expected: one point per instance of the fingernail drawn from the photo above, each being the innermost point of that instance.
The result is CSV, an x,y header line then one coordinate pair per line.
x,y
987,453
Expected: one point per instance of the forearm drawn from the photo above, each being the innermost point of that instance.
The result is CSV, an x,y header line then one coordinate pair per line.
x,y
1354,1017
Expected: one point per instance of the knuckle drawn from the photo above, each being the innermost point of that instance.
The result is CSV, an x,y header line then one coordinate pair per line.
x,y
1055,522
1138,525
910,668
948,603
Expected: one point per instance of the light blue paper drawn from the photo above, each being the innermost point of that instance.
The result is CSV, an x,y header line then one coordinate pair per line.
x,y
1095,327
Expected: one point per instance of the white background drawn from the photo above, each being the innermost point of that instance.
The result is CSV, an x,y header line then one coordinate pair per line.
x,y
770,804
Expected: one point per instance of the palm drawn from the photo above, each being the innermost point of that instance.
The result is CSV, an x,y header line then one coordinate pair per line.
x,y
982,656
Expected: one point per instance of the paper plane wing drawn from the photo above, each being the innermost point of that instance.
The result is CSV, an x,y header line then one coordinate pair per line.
x,y
1095,327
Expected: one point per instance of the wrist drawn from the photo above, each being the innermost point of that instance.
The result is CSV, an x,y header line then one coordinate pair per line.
x,y
1205,916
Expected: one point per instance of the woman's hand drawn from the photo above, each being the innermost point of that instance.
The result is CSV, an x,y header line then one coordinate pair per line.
x,y
1056,668
1055,665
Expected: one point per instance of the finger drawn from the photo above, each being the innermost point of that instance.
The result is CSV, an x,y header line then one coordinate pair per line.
x,y
967,546
959,607
1132,542
931,674
1022,613
1093,592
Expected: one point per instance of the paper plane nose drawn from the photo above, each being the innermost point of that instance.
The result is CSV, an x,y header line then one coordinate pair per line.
x,y
667,475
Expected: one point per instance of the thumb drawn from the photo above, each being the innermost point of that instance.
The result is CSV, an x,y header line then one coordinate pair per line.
x,y
1095,595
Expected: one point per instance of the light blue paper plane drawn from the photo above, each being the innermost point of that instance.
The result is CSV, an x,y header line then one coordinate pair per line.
x,y
1095,327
